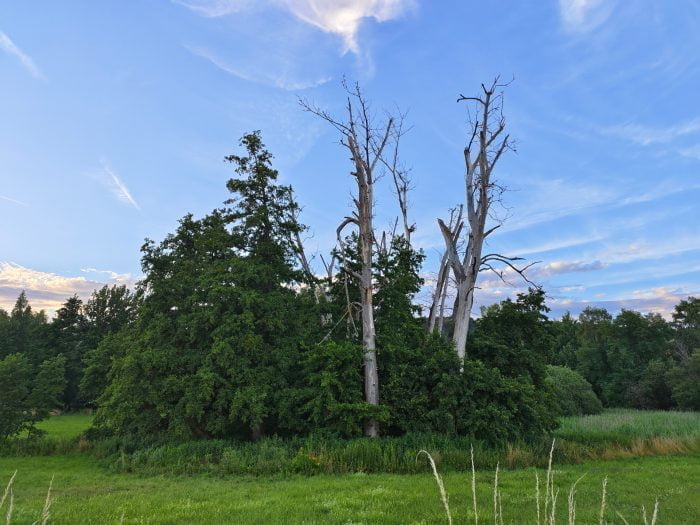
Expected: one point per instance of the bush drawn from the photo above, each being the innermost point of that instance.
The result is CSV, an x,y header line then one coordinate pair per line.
x,y
574,395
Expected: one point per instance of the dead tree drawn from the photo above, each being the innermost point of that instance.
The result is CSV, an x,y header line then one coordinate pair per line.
x,y
366,142
437,307
486,144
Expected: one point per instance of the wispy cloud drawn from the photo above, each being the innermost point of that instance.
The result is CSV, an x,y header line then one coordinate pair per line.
x,y
9,47
48,291
116,186
266,78
15,201
692,152
581,16
214,8
339,17
647,135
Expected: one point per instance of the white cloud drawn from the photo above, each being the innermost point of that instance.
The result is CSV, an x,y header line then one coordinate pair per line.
x,y
116,186
48,291
343,17
9,47
266,78
646,135
338,17
562,267
581,16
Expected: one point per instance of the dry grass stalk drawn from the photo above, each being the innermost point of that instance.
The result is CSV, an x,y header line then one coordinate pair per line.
x,y
495,497
572,501
537,496
47,505
500,509
549,481
622,518
476,513
8,489
8,518
441,486
656,512
552,515
601,519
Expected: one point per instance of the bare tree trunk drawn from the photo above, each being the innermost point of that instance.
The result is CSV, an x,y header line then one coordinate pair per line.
x,y
483,150
366,145
438,295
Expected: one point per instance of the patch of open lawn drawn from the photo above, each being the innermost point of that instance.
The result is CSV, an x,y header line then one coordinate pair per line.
x,y
86,493
65,426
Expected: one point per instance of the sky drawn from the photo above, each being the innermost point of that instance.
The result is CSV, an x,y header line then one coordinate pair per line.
x,y
116,116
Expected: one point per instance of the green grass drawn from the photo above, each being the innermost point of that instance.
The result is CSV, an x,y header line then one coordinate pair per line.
x,y
65,426
85,493
631,424
616,434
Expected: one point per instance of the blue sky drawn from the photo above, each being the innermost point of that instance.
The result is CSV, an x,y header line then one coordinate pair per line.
x,y
116,117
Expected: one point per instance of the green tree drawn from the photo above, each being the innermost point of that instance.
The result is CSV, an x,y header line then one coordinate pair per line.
x,y
26,332
68,338
595,346
109,313
684,379
47,388
27,395
15,377
686,325
216,348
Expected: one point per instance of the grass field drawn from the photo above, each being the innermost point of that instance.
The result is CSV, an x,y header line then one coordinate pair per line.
x,y
631,424
65,426
84,493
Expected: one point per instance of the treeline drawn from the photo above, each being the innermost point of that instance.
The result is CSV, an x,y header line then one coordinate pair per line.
x,y
42,363
635,360
230,335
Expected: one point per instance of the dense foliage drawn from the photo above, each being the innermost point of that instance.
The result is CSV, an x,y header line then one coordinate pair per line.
x,y
28,392
573,393
229,335
634,360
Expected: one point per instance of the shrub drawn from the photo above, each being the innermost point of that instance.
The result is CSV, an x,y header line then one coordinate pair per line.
x,y
574,395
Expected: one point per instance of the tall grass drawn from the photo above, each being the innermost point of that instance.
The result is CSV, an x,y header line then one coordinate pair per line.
x,y
551,492
43,517
616,434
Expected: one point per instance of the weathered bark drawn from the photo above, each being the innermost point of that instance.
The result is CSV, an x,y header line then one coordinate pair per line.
x,y
437,306
484,148
366,145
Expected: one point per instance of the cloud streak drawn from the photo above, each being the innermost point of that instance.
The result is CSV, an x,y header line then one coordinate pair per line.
x,y
9,47
646,135
117,187
15,201
278,81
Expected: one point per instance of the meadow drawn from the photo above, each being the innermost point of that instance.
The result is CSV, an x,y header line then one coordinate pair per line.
x,y
88,489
